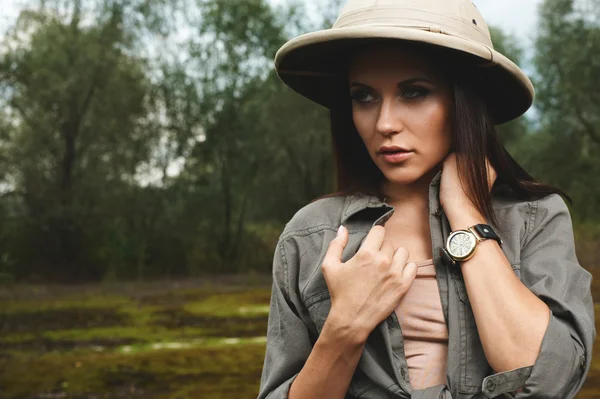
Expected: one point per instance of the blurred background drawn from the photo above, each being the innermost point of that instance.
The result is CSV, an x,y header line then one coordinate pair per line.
x,y
149,159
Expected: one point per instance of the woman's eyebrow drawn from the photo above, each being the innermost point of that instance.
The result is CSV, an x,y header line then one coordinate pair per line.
x,y
404,82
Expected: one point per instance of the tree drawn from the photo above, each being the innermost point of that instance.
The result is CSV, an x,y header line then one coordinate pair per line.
x,y
235,44
76,96
567,60
510,133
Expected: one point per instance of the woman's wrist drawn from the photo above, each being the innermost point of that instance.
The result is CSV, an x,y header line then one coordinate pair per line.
x,y
333,360
345,330
462,215
464,221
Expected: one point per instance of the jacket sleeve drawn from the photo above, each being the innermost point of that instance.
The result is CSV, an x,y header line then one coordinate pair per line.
x,y
288,341
550,269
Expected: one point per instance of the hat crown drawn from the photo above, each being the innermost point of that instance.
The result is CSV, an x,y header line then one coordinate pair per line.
x,y
458,18
313,64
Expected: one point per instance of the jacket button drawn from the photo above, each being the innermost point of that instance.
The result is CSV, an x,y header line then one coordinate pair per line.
x,y
490,385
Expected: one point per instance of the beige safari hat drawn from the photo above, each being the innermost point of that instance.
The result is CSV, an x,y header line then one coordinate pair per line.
x,y
311,63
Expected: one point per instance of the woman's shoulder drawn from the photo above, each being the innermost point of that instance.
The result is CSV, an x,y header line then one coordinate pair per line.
x,y
531,214
550,203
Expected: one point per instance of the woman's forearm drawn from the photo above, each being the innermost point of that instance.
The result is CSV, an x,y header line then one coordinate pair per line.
x,y
511,320
331,364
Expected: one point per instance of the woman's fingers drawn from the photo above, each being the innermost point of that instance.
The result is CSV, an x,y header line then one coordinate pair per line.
x,y
407,271
410,272
387,248
336,247
401,256
368,286
374,238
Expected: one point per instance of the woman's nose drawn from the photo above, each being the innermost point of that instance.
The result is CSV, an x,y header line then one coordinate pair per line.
x,y
388,121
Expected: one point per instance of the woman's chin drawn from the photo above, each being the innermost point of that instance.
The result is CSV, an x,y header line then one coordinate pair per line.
x,y
404,177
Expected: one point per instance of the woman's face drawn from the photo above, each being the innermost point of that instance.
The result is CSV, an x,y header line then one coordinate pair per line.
x,y
399,99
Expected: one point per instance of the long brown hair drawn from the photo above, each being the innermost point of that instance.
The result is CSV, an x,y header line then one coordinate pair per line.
x,y
474,134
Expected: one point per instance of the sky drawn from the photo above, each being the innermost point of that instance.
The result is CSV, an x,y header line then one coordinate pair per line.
x,y
516,17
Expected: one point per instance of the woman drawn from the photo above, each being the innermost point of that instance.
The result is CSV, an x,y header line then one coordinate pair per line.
x,y
441,269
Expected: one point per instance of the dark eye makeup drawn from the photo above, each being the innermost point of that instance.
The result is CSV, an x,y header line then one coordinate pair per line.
x,y
415,92
362,95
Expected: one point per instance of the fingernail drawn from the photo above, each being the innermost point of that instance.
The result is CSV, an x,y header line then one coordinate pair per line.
x,y
340,230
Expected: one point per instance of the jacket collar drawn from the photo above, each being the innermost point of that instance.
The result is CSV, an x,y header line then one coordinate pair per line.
x,y
357,202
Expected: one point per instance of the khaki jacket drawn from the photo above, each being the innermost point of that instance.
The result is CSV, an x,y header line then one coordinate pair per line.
x,y
538,242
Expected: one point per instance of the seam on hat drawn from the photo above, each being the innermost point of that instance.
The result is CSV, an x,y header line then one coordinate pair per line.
x,y
396,8
463,30
465,23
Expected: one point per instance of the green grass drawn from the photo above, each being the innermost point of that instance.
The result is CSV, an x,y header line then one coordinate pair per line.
x,y
163,340
251,302
147,341
207,372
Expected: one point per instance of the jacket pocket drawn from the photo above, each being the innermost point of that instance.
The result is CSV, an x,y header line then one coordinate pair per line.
x,y
318,307
360,384
459,285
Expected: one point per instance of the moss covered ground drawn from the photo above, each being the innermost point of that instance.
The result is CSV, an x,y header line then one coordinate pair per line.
x,y
161,340
191,339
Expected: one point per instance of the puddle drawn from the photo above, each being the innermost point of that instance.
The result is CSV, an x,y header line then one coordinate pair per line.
x,y
206,342
264,309
42,345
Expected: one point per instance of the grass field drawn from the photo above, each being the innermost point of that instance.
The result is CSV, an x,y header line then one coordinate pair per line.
x,y
161,340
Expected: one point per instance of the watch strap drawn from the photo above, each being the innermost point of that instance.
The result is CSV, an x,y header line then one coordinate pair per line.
x,y
446,258
486,231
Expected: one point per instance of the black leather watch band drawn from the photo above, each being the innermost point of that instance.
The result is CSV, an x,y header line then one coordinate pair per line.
x,y
446,258
486,231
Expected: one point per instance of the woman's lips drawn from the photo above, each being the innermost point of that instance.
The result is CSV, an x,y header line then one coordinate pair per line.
x,y
396,157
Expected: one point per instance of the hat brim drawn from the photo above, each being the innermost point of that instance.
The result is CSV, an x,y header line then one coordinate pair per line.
x,y
310,65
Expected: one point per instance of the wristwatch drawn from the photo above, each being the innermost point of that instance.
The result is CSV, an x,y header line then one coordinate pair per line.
x,y
461,244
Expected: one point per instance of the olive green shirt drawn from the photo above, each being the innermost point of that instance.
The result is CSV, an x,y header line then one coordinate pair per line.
x,y
538,242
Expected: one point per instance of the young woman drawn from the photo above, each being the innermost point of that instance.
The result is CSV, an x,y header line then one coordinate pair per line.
x,y
441,269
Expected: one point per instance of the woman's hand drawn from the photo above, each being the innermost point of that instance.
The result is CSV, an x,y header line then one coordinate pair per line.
x,y
367,288
453,195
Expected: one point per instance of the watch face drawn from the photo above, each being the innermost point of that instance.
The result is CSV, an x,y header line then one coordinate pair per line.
x,y
461,244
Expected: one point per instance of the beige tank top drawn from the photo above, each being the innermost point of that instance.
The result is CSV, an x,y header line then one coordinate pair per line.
x,y
424,329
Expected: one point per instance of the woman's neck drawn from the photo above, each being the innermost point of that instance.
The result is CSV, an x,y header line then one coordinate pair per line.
x,y
411,196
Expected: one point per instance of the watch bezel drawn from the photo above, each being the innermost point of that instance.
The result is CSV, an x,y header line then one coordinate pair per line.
x,y
460,258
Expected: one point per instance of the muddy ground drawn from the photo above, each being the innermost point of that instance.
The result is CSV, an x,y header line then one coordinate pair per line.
x,y
162,340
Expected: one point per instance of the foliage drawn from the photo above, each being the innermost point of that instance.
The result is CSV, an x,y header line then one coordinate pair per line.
x,y
510,133
568,63
143,139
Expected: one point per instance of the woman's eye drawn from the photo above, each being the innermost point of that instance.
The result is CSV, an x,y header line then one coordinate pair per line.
x,y
414,92
361,96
